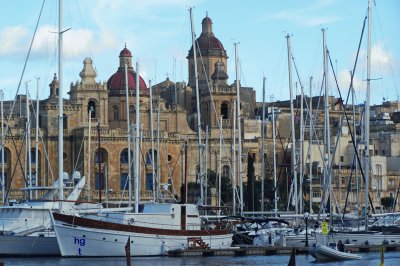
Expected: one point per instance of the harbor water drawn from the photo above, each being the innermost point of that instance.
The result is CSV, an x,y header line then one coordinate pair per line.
x,y
373,258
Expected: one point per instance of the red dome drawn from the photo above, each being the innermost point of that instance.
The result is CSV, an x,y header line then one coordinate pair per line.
x,y
125,52
116,83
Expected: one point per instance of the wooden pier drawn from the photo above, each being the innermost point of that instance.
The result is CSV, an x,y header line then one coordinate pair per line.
x,y
268,250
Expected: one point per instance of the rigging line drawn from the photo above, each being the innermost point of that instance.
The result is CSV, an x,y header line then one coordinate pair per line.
x,y
344,106
23,71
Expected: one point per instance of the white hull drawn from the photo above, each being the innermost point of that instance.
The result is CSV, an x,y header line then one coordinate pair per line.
x,y
89,242
324,253
29,246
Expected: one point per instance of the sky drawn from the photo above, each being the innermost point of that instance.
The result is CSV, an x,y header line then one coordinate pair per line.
x,y
157,32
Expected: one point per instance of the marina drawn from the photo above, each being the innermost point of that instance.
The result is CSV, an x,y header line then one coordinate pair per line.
x,y
198,172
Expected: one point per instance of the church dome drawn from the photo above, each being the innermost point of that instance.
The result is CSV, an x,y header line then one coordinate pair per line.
x,y
209,44
116,83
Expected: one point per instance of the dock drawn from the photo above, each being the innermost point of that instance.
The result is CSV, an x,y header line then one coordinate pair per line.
x,y
249,250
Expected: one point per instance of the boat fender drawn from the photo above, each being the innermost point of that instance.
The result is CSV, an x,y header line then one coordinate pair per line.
x,y
385,242
347,241
131,221
366,242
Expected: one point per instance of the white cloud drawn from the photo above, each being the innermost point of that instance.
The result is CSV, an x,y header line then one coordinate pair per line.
x,y
11,39
379,57
344,79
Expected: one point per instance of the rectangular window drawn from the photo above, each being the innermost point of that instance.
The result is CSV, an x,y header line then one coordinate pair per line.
x,y
149,181
5,180
99,181
124,181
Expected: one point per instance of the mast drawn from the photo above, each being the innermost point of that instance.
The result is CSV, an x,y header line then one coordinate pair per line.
x,y
274,151
310,144
206,175
197,108
239,128
129,137
3,187
293,165
262,148
301,158
220,162
99,161
37,137
158,149
327,145
89,153
152,142
136,175
28,141
367,110
234,160
60,110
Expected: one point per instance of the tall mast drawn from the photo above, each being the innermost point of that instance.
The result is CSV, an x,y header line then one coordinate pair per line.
x,y
274,156
3,187
197,108
238,110
234,160
89,152
301,158
37,136
262,148
60,110
327,142
310,144
137,151
206,175
367,110
128,127
28,141
293,165
220,162
152,142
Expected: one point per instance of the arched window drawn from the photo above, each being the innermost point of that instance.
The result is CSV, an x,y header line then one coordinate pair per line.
x,y
148,157
101,157
224,111
225,170
116,112
7,166
124,156
92,108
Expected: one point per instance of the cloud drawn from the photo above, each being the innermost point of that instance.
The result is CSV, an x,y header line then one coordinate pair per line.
x,y
11,39
380,58
344,79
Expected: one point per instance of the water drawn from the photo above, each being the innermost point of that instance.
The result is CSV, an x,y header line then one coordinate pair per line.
x,y
373,258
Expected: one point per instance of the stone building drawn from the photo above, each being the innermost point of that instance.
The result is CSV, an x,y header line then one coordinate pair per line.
x,y
101,154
